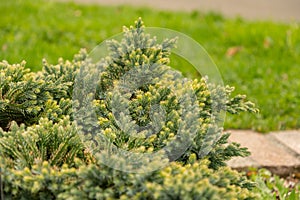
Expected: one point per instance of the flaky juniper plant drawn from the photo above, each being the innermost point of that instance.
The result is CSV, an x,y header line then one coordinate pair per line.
x,y
49,152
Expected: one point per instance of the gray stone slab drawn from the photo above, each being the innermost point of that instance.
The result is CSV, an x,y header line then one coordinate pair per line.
x,y
291,139
242,163
264,153
287,10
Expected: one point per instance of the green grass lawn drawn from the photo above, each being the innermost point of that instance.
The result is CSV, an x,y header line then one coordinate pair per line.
x,y
265,66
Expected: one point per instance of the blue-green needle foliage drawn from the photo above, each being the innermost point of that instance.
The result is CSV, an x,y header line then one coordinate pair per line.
x,y
260,58
138,104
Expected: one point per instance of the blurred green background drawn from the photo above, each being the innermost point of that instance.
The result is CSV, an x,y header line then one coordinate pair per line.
x,y
260,58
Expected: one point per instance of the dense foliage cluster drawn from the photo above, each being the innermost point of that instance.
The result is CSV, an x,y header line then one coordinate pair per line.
x,y
141,105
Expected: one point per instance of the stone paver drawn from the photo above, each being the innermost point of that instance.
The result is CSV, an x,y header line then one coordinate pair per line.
x,y
266,152
282,10
242,163
290,139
